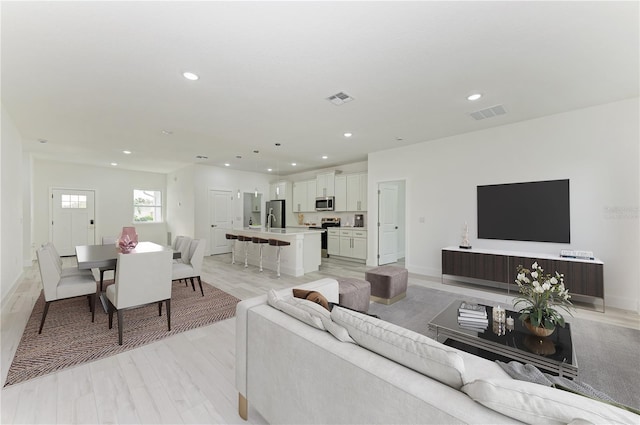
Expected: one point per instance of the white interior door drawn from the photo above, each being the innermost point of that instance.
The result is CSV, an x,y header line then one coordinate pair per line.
x,y
72,220
220,220
388,217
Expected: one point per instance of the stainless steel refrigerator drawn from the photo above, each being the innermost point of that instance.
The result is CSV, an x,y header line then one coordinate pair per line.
x,y
277,219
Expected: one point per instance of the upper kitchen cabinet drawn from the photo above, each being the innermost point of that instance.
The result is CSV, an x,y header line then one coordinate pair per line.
x,y
278,190
304,196
340,202
357,192
325,184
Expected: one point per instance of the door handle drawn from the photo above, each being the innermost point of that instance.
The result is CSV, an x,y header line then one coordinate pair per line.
x,y
396,227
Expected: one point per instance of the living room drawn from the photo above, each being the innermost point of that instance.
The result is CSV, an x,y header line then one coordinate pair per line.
x,y
595,146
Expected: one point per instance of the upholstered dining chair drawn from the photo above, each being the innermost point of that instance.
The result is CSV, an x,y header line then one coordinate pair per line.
x,y
181,245
57,287
64,271
141,278
191,265
106,240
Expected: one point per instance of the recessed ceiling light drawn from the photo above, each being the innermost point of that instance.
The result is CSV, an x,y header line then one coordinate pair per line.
x,y
114,164
190,76
226,164
348,134
167,132
269,169
293,164
126,152
324,157
42,141
474,96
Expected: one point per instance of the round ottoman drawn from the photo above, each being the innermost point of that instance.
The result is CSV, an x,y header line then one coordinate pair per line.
x,y
354,294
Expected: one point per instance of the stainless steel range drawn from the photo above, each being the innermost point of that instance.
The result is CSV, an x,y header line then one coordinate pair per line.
x,y
325,223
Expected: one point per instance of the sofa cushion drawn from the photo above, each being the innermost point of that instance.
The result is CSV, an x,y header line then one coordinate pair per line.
x,y
296,307
403,346
534,403
313,296
309,312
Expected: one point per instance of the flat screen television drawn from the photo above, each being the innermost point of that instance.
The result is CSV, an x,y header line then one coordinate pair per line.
x,y
532,211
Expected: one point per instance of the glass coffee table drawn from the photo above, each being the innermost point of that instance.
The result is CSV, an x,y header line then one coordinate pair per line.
x,y
498,341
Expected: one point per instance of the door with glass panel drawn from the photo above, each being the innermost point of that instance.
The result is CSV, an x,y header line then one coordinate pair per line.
x,y
72,219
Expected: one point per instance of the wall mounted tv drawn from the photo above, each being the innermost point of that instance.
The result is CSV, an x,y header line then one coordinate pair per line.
x,y
532,211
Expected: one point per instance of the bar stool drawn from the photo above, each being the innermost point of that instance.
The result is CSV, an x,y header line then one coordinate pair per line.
x,y
261,242
246,240
233,238
279,244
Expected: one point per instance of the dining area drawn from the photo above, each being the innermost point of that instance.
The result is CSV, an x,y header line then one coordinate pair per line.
x,y
143,274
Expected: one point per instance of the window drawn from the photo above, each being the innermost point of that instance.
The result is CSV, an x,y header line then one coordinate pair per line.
x,y
73,201
147,206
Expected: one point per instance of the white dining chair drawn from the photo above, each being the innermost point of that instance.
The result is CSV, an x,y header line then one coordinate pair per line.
x,y
141,278
181,245
57,287
107,240
191,265
65,271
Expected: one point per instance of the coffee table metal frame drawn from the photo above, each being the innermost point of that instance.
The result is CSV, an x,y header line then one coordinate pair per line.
x,y
445,327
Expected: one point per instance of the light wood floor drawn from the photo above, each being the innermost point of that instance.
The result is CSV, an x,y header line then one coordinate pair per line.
x,y
186,378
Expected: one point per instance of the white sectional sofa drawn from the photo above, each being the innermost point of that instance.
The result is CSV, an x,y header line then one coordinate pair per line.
x,y
291,372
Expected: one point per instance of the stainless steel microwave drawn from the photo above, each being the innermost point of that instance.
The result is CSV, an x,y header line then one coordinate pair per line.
x,y
325,204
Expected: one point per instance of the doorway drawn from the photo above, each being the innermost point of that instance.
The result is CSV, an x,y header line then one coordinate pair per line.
x,y
220,220
391,219
72,219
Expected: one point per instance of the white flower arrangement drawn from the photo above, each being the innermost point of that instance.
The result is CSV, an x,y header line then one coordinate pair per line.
x,y
540,294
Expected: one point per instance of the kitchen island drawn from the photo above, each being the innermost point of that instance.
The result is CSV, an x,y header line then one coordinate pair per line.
x,y
302,256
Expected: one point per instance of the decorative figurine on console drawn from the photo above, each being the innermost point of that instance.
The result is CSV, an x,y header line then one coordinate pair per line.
x,y
465,237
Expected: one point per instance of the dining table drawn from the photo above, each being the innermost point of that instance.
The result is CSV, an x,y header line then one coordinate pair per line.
x,y
96,256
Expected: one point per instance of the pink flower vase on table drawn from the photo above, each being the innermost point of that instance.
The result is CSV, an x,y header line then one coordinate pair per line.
x,y
128,239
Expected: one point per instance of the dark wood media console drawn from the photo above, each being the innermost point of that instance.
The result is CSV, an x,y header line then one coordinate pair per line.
x,y
582,277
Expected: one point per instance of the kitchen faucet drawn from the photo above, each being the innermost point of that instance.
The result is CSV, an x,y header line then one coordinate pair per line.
x,y
269,217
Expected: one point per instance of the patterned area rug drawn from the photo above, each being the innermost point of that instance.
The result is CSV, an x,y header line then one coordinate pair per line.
x,y
70,338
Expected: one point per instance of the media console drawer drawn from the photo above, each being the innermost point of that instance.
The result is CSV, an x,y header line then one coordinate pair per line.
x,y
582,277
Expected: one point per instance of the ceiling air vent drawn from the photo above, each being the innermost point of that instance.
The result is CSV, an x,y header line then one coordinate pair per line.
x,y
340,98
488,112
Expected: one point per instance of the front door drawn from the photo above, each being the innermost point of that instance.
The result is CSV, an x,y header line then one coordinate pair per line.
x,y
72,220
388,217
220,220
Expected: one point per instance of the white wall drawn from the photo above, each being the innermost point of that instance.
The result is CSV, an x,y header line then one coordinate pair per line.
x,y
596,148
181,202
11,203
114,197
207,178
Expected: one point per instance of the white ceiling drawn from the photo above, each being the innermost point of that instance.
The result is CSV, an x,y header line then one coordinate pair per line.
x,y
95,78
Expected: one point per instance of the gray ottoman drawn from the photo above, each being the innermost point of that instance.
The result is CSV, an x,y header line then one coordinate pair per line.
x,y
388,283
354,294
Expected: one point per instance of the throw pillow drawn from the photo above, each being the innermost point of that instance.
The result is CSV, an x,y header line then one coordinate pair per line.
x,y
313,296
403,346
533,403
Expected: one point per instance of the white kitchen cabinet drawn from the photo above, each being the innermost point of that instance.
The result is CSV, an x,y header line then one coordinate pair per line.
x,y
353,244
311,195
299,196
304,196
357,192
340,202
333,241
325,184
278,190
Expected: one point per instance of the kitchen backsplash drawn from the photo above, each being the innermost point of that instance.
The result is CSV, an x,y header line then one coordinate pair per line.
x,y
346,219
